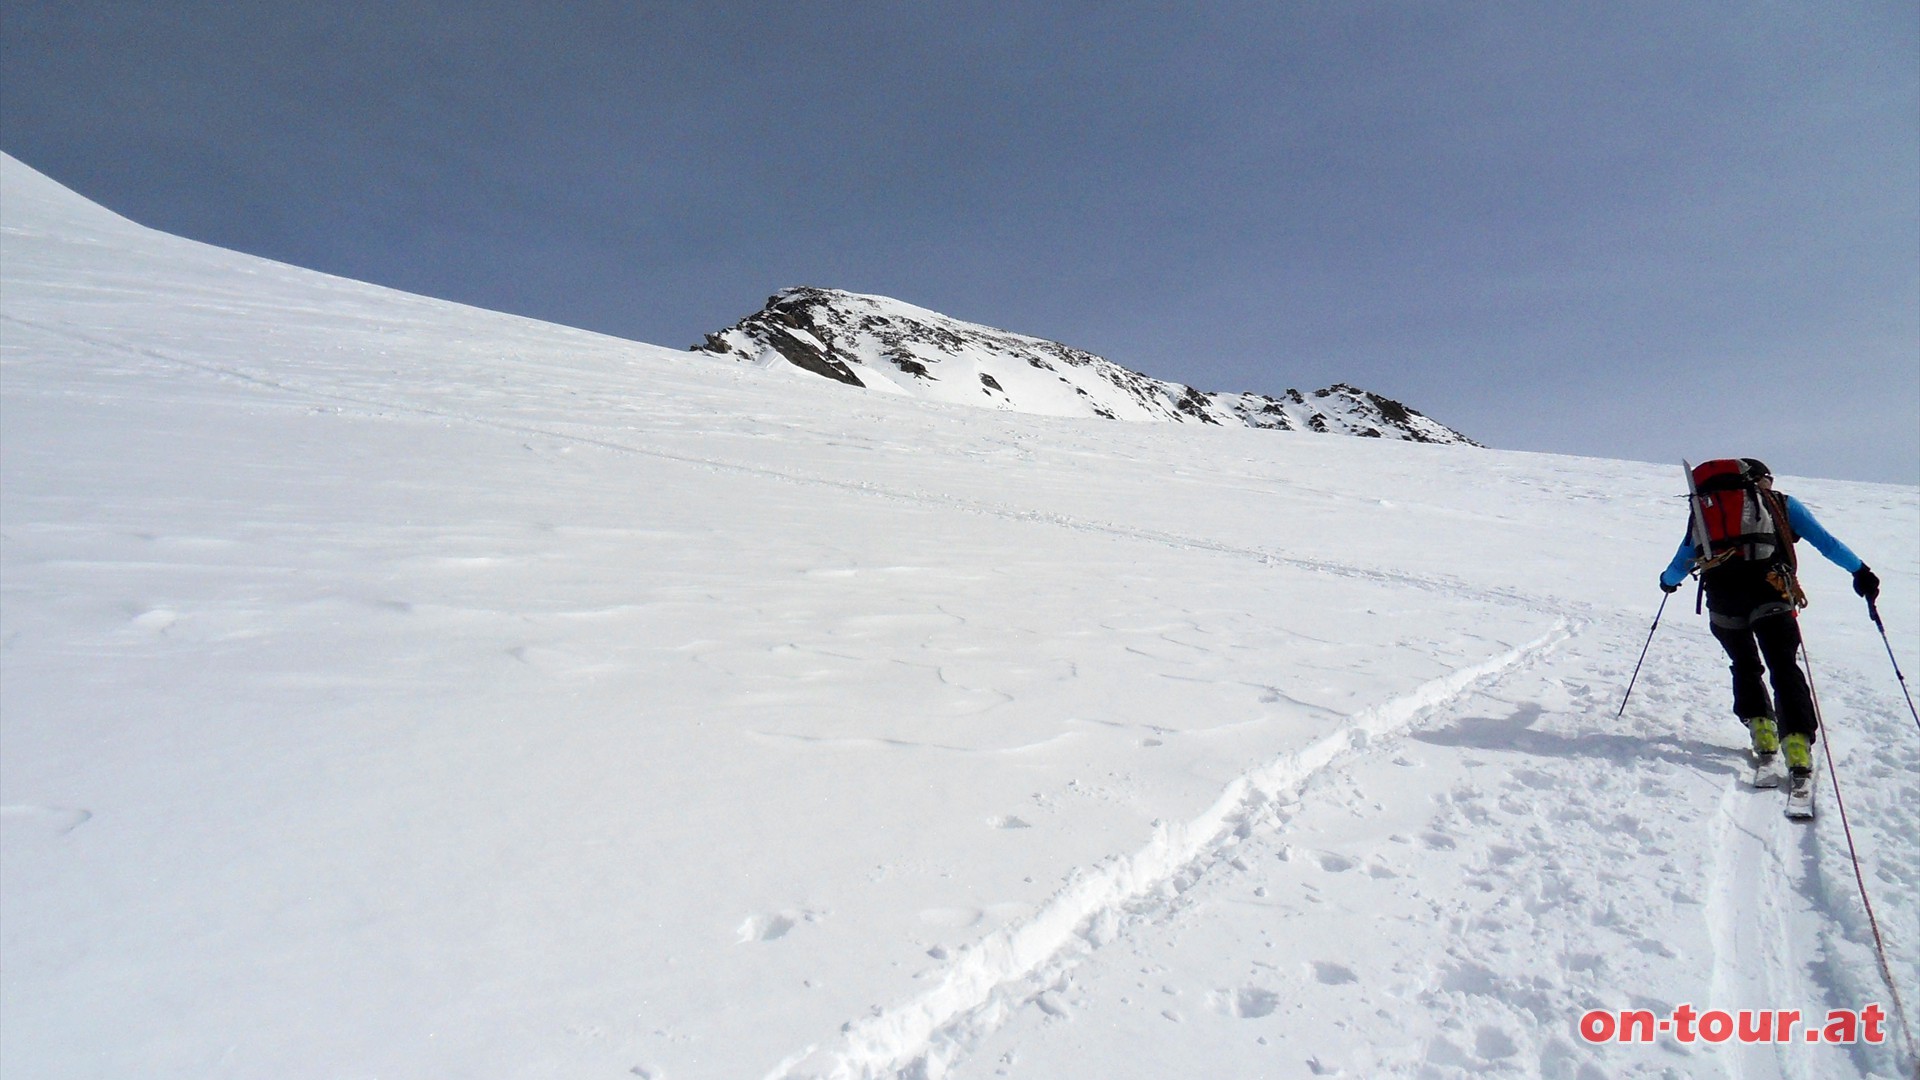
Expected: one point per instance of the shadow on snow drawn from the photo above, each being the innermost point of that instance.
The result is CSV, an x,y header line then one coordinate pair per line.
x,y
1515,733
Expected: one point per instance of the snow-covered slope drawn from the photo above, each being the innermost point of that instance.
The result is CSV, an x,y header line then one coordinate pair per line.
x,y
390,688
895,347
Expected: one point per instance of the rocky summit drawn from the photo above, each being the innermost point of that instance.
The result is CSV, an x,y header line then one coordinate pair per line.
x,y
895,347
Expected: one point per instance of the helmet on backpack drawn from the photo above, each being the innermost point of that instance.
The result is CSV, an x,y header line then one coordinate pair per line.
x,y
1756,469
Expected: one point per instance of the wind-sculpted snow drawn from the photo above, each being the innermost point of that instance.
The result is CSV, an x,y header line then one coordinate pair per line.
x,y
393,688
890,346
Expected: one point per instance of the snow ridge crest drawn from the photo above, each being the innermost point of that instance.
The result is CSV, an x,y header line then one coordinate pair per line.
x,y
894,347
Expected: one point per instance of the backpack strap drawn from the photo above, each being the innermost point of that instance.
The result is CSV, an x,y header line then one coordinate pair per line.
x,y
1785,575
1776,505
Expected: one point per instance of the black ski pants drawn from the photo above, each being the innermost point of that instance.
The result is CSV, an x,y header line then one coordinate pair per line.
x,y
1755,622
1769,646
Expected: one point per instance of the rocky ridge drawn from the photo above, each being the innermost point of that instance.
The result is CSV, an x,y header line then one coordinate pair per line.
x,y
894,347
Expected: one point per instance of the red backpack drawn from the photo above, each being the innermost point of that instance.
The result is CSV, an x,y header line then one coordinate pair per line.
x,y
1734,519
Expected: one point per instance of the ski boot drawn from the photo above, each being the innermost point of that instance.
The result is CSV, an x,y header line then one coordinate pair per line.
x,y
1799,753
1767,772
1798,750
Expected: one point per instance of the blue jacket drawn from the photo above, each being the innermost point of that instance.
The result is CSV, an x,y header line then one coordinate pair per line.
x,y
1804,527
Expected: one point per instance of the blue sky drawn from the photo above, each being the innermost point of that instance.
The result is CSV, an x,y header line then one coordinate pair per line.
x,y
1638,230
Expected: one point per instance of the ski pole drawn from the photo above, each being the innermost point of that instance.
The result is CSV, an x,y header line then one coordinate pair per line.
x,y
1643,656
1874,611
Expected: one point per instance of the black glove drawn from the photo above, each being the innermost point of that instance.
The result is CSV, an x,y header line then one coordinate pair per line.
x,y
1666,588
1866,584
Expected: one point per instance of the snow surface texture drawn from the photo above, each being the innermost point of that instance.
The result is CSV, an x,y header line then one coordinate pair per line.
x,y
890,346
398,689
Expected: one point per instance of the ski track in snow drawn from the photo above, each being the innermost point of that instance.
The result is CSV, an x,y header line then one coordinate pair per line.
x,y
922,1036
1775,898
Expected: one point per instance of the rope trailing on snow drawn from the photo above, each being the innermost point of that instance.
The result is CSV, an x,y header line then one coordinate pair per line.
x,y
1874,611
1859,875
1643,656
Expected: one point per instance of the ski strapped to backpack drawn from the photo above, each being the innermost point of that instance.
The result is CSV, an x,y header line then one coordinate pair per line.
x,y
1735,519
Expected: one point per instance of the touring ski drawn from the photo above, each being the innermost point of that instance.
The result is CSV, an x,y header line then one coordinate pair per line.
x,y
1765,770
1800,796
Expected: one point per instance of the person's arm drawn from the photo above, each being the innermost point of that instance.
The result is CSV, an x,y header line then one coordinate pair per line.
x,y
1809,529
1676,571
